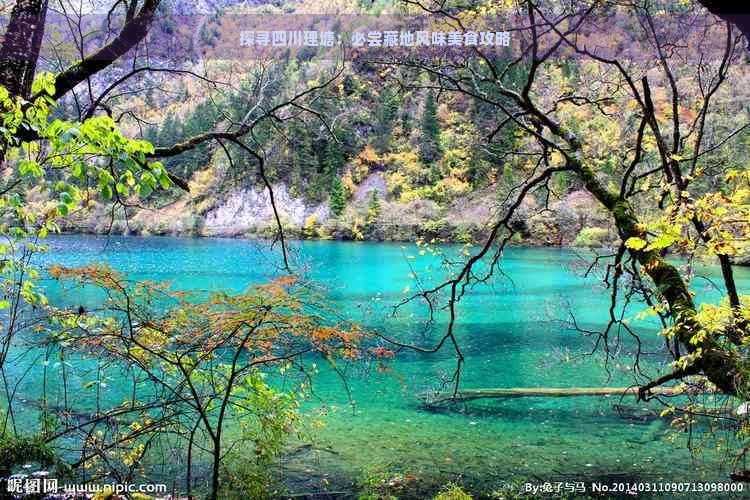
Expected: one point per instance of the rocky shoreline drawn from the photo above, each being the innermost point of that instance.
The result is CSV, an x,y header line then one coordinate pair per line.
x,y
370,214
575,220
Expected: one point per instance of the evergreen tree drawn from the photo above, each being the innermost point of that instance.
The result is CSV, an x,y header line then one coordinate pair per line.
x,y
508,176
477,167
429,148
337,201
435,175
373,207
406,123
169,133
334,160
385,115
151,134
487,119
200,120
303,158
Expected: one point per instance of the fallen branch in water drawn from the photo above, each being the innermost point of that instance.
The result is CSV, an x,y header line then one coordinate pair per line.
x,y
432,398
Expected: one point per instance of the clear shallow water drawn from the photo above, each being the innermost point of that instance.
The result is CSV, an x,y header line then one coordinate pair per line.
x,y
509,335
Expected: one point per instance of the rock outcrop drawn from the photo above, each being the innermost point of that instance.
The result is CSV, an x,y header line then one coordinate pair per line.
x,y
248,210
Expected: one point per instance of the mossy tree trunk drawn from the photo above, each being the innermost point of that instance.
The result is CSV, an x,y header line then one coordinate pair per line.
x,y
717,364
21,44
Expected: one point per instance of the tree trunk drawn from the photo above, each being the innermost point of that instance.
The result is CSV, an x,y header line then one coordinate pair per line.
x,y
432,399
189,471
720,366
215,470
20,49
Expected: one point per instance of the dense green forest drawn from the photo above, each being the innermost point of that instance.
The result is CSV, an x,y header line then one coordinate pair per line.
x,y
395,162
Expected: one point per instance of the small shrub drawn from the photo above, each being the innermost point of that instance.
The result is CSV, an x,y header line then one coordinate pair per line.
x,y
449,189
453,492
16,451
592,237
310,228
435,227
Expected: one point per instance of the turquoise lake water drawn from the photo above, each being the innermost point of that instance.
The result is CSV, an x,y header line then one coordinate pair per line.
x,y
510,332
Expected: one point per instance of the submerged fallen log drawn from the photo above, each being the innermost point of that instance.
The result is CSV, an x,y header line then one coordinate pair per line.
x,y
438,398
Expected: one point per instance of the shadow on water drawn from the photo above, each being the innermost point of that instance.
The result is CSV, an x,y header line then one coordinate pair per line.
x,y
613,413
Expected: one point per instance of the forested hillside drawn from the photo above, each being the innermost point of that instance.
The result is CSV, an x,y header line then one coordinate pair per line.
x,y
375,160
